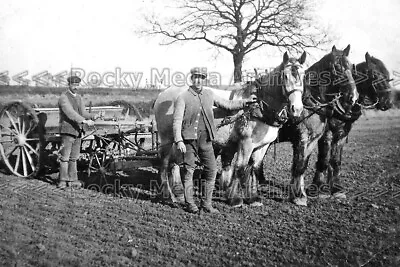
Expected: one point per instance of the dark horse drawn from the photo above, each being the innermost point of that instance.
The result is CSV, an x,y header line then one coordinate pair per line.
x,y
373,86
329,98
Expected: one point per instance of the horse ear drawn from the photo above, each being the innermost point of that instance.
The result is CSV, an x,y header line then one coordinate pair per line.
x,y
334,48
302,59
346,51
285,58
367,58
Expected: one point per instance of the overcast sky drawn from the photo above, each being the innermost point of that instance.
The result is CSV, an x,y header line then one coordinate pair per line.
x,y
48,35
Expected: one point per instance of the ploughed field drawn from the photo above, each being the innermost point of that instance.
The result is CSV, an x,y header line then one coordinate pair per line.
x,y
126,226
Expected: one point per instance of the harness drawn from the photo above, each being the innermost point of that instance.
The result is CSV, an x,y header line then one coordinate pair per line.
x,y
329,104
331,109
263,109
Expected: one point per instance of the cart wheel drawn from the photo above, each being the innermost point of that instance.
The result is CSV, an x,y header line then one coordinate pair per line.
x,y
128,107
20,143
100,157
99,163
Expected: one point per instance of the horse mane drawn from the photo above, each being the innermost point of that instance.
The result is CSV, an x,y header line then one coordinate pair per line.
x,y
377,63
268,79
322,64
380,65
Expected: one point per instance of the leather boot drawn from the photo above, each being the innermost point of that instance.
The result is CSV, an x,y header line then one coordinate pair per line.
x,y
72,171
63,175
188,186
73,175
206,204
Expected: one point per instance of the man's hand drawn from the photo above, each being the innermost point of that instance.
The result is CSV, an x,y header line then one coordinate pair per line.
x,y
251,100
181,147
88,122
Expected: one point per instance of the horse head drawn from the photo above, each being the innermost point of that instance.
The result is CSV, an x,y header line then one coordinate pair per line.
x,y
375,84
342,79
281,89
292,83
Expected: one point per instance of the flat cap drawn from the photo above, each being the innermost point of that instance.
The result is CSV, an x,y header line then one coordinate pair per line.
x,y
199,71
73,79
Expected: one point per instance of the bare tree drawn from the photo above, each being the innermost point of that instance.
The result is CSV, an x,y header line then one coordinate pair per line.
x,y
240,26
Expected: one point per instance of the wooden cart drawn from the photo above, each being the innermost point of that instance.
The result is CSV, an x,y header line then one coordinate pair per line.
x,y
30,142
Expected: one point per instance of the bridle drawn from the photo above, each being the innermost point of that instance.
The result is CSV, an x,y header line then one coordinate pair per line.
x,y
283,82
372,81
281,115
293,68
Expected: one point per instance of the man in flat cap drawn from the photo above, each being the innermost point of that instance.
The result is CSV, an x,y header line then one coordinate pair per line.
x,y
194,130
73,116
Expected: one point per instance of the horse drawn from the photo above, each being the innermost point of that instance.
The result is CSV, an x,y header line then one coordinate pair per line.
x,y
330,94
373,87
251,136
278,95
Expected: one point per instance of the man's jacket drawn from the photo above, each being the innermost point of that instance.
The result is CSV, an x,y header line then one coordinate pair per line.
x,y
72,114
188,108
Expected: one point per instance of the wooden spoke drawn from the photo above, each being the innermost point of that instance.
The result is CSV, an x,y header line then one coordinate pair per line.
x,y
17,162
10,130
32,149
24,163
97,159
18,122
12,121
12,151
29,158
108,164
22,125
90,165
30,128
104,159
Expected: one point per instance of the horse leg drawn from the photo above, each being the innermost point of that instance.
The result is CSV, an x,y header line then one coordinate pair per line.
x,y
227,157
251,186
166,191
319,182
175,183
243,156
301,155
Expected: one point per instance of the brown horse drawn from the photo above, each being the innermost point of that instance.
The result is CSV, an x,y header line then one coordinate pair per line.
x,y
245,132
373,88
329,94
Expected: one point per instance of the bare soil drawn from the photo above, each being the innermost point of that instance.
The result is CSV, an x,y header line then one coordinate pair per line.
x,y
126,225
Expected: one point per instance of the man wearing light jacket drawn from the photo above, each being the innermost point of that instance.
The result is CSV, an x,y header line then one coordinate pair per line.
x,y
194,130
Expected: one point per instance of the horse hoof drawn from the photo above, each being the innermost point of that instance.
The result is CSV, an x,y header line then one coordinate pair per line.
x,y
256,204
235,202
300,201
339,195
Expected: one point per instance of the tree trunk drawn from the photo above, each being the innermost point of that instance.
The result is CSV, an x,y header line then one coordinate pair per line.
x,y
238,62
